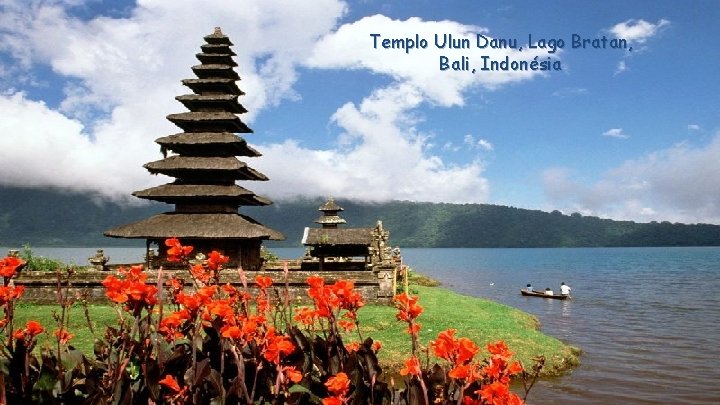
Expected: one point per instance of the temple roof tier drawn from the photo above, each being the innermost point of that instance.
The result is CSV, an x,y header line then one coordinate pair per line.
x,y
209,121
192,167
213,86
209,71
182,193
196,225
344,236
212,102
330,219
223,144
222,49
217,37
215,58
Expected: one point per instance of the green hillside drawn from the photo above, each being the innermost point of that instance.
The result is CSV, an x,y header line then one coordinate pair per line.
x,y
57,218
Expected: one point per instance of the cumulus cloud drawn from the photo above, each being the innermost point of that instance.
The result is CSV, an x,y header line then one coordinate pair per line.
x,y
120,77
390,162
482,144
638,31
694,127
352,47
615,133
679,184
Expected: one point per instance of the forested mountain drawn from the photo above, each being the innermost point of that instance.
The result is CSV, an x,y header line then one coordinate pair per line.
x,y
43,217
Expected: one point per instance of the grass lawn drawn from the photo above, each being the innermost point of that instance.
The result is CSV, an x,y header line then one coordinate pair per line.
x,y
481,320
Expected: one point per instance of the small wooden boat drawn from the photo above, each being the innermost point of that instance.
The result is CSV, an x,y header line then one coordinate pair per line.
x,y
543,295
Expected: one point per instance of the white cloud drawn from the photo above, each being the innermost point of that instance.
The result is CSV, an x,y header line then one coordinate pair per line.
x,y
351,47
621,68
479,143
391,161
678,184
615,133
638,31
121,76
694,127
131,69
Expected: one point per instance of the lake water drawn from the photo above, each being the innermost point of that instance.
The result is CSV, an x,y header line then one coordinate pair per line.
x,y
647,319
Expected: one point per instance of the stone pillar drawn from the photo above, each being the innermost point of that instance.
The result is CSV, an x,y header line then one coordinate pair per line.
x,y
386,277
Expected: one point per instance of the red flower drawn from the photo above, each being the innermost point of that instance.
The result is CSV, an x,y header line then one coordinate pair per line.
x,y
33,328
376,346
131,289
352,347
171,383
263,281
339,384
408,307
176,251
63,336
332,401
412,367
276,346
10,293
216,260
9,265
306,316
293,374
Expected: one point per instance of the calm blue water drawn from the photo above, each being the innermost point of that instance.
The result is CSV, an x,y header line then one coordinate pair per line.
x,y
647,319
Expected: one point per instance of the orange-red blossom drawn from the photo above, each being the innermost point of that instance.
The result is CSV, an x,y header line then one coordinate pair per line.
x,y
9,266
338,386
176,251
131,289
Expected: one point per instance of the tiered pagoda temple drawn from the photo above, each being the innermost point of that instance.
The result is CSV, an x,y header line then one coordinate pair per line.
x,y
330,218
203,159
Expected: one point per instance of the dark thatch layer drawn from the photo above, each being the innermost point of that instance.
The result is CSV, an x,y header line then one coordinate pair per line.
x,y
217,48
207,71
196,121
200,86
182,193
344,236
330,205
212,58
193,167
330,219
196,225
207,144
217,37
212,102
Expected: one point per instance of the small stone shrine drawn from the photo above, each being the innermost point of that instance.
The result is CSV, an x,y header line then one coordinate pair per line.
x,y
330,248
203,160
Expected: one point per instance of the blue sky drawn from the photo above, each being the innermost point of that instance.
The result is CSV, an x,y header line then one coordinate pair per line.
x,y
85,87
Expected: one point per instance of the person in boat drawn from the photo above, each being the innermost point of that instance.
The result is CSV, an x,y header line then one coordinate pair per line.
x,y
548,291
529,288
565,289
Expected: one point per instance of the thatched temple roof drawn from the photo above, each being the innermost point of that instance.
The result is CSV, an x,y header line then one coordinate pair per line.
x,y
201,121
181,193
195,166
226,102
196,225
337,236
208,144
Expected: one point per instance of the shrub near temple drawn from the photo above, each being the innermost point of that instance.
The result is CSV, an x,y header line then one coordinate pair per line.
x,y
220,344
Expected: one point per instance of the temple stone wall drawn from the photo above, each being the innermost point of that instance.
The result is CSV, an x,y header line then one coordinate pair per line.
x,y
375,286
